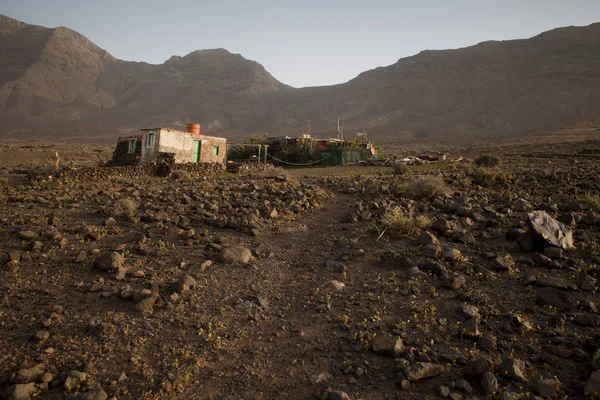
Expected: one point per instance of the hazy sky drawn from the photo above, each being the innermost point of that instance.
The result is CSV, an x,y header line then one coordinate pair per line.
x,y
301,42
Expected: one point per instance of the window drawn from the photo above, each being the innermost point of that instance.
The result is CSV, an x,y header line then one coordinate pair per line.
x,y
216,150
132,143
150,139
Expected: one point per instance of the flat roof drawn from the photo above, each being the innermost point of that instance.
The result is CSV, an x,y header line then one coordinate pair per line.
x,y
180,131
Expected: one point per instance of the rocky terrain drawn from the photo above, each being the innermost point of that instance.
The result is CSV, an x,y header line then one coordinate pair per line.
x,y
461,280
55,83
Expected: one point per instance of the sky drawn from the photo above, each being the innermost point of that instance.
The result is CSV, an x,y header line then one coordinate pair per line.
x,y
301,42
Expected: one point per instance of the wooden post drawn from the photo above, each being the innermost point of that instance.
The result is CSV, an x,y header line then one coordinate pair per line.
x,y
266,148
259,148
57,159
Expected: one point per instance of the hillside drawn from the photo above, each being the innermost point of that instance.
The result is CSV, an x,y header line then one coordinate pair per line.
x,y
55,82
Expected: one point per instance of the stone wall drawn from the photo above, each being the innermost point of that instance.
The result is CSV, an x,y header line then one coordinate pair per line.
x,y
137,171
122,156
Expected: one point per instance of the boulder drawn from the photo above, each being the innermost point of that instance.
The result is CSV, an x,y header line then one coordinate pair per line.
x,y
550,232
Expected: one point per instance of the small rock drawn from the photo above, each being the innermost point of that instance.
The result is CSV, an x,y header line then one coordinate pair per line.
x,y
470,328
71,384
553,252
422,370
337,395
592,386
470,311
110,261
433,268
557,283
503,263
41,336
80,257
428,238
453,280
21,391
443,391
337,285
513,369
431,250
187,283
476,369
146,306
28,375
235,255
27,235
590,320
386,344
94,394
14,256
489,384
587,283
552,297
545,387
121,273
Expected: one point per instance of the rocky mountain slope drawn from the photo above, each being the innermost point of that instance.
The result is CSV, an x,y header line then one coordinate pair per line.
x,y
55,82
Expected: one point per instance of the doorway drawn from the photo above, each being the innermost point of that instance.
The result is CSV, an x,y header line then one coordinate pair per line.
x,y
196,151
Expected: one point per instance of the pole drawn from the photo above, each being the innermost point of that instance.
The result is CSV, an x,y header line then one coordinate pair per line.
x,y
259,148
266,148
56,160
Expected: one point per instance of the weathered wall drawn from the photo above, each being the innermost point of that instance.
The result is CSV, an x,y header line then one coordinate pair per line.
x,y
178,143
207,151
121,155
181,144
149,153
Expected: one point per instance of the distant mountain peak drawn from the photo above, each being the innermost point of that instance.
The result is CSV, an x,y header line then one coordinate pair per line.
x,y
56,80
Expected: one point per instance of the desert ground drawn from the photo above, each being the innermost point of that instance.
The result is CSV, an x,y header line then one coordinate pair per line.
x,y
465,280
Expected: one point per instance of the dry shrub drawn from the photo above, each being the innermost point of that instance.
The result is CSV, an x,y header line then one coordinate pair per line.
x,y
121,180
486,178
426,187
592,200
4,182
487,160
125,208
401,169
397,222
180,174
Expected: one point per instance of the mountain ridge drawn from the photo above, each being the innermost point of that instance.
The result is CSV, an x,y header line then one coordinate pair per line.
x,y
55,81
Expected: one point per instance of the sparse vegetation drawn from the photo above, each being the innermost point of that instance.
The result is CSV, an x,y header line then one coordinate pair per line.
x,y
592,200
401,169
397,222
125,208
426,187
487,160
3,182
344,258
180,175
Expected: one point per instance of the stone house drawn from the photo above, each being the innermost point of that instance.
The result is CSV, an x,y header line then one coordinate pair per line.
x,y
183,146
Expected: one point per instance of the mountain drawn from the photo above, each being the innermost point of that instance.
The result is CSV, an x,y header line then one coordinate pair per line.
x,y
56,83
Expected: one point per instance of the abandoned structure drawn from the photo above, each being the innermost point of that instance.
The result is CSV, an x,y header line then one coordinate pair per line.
x,y
319,151
178,146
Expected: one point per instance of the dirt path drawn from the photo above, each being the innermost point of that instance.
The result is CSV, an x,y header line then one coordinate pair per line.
x,y
299,343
